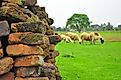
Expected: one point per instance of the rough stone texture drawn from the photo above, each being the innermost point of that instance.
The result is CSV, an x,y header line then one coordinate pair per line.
x,y
14,13
0,43
36,8
20,50
32,78
4,28
51,47
33,60
23,2
50,60
28,71
54,39
5,65
50,21
37,27
7,76
50,32
53,54
1,53
28,38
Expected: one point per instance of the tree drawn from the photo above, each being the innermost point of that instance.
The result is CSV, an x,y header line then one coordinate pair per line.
x,y
78,21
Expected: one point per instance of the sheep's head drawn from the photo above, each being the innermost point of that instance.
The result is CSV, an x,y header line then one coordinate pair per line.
x,y
102,40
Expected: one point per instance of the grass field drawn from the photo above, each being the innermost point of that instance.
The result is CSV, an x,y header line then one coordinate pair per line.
x,y
91,62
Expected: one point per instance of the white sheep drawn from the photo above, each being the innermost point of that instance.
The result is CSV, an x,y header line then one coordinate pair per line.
x,y
66,38
74,36
92,36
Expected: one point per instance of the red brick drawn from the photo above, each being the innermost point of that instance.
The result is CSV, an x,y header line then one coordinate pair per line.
x,y
32,78
27,38
5,65
21,49
28,71
1,53
7,76
4,28
34,60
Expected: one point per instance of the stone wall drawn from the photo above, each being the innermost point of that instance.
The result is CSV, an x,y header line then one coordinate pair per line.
x,y
27,42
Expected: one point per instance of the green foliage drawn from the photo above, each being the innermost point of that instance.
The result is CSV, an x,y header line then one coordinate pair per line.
x,y
78,22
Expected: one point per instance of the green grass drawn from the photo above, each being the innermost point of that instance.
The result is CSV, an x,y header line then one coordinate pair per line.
x,y
90,62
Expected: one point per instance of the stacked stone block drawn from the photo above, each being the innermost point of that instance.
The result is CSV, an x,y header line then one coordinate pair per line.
x,y
27,42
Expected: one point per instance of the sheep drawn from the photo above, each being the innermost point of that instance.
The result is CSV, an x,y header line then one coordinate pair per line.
x,y
92,36
66,38
74,36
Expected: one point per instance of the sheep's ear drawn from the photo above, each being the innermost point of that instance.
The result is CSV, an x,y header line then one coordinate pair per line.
x,y
96,33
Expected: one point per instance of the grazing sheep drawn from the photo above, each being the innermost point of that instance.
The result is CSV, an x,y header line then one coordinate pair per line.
x,y
74,37
66,38
92,36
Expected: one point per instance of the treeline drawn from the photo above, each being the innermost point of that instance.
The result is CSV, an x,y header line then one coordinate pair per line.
x,y
81,22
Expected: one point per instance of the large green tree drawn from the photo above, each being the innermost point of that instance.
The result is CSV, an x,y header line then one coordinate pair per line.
x,y
80,22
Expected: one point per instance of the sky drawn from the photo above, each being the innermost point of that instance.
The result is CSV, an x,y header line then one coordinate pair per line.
x,y
98,11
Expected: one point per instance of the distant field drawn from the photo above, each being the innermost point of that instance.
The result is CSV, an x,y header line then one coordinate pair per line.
x,y
91,62
108,35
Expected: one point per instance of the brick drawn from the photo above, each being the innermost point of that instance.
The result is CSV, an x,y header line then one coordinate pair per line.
x,y
37,27
4,28
14,13
5,65
1,53
7,76
53,54
36,8
34,60
49,32
21,49
54,39
42,14
27,38
50,60
50,21
23,2
28,71
32,78
51,47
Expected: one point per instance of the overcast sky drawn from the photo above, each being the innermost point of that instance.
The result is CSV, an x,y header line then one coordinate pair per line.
x,y
98,11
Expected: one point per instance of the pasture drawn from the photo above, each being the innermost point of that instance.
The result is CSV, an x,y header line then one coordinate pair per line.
x,y
91,62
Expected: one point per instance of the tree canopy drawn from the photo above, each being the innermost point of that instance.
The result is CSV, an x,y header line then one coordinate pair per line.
x,y
78,21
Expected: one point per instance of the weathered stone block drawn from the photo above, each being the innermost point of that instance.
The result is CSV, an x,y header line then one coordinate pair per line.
x,y
37,27
4,28
20,50
42,14
32,78
50,21
1,53
28,71
54,39
51,47
53,54
7,76
36,8
14,13
34,60
28,38
5,65
49,32
23,2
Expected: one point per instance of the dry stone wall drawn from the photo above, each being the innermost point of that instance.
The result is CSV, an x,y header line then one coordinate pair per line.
x,y
27,42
